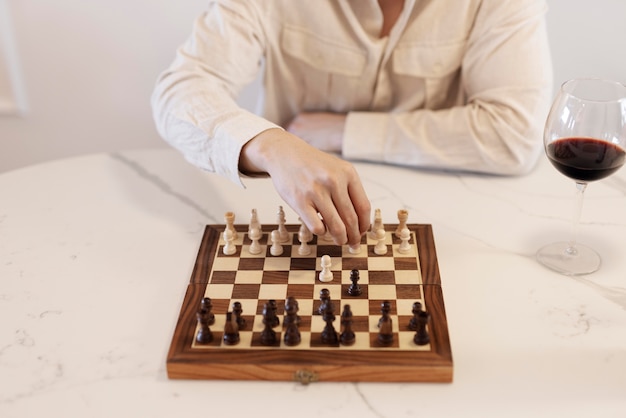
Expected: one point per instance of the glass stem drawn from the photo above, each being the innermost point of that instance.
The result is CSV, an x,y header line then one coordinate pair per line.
x,y
580,194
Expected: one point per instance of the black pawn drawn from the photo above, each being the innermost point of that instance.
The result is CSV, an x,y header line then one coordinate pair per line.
x,y
347,336
292,333
413,323
269,314
231,332
273,308
204,335
354,289
324,300
329,335
237,311
385,308
385,333
421,336
291,305
268,336
207,306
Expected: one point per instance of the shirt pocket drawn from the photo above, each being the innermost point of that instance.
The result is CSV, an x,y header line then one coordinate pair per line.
x,y
437,66
328,71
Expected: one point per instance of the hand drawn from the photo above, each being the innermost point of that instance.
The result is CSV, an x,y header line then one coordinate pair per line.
x,y
323,130
324,190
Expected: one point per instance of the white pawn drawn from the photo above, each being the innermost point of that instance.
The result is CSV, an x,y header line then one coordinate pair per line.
x,y
304,236
381,247
229,247
354,249
255,236
276,248
405,236
326,275
283,234
327,237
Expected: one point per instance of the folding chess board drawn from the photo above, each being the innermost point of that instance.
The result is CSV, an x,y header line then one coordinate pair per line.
x,y
399,278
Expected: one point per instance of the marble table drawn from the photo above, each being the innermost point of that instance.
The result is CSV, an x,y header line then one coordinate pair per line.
x,y
96,252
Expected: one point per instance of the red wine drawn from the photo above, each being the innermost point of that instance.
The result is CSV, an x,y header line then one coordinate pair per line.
x,y
585,159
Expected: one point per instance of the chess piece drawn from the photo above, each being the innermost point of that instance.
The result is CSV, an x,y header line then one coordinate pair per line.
x,y
354,249
327,237
204,335
385,309
329,335
354,289
273,308
229,219
254,234
229,247
283,234
269,314
347,336
231,332
417,308
237,310
421,336
405,236
207,306
276,248
268,335
292,333
291,304
254,220
385,332
376,224
403,215
304,236
380,248
326,275
324,300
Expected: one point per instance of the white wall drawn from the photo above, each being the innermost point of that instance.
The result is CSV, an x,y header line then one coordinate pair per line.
x,y
88,67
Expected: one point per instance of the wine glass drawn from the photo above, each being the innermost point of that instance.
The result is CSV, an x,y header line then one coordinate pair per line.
x,y
584,139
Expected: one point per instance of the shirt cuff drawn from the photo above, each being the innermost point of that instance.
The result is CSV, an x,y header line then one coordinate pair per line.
x,y
231,137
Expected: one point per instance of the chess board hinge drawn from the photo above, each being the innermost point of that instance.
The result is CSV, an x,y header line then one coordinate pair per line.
x,y
305,376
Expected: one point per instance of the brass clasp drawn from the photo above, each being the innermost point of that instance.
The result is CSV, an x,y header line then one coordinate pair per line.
x,y
305,376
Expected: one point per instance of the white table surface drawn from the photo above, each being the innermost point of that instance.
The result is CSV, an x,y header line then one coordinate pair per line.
x,y
96,253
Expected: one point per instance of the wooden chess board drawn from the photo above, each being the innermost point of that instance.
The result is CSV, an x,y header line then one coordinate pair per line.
x,y
252,280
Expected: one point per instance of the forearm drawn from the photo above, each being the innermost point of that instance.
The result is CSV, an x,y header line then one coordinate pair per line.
x,y
209,134
482,136
194,100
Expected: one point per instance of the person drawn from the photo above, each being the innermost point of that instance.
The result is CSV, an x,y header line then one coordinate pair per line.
x,y
433,84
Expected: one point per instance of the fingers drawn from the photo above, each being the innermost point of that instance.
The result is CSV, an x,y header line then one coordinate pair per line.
x,y
324,190
362,207
344,206
334,203
319,210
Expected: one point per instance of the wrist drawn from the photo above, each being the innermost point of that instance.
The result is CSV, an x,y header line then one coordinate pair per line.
x,y
258,153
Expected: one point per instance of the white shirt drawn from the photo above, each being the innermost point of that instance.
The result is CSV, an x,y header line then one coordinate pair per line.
x,y
457,84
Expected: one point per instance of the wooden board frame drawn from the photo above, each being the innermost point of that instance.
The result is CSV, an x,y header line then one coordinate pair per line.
x,y
307,365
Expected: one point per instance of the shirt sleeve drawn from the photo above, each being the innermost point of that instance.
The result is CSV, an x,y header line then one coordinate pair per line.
x,y
506,80
194,101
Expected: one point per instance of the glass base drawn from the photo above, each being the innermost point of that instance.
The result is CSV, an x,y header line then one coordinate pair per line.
x,y
571,261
